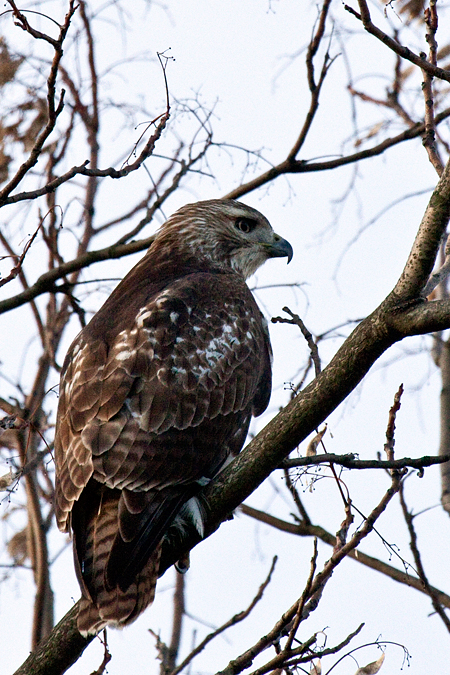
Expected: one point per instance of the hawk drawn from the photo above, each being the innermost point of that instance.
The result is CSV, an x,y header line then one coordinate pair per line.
x,y
156,394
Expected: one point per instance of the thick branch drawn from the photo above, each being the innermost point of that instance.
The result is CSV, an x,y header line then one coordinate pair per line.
x,y
56,654
426,245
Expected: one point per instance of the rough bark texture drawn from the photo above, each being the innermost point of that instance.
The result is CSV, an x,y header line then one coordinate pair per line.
x,y
60,651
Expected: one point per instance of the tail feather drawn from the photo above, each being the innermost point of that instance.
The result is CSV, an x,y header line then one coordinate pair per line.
x,y
102,605
146,528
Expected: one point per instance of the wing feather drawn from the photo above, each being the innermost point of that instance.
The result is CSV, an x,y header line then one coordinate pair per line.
x,y
155,405
180,363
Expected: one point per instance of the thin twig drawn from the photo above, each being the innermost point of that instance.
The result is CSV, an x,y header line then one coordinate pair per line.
x,y
427,588
296,320
237,618
395,46
390,431
53,109
429,137
350,461
301,529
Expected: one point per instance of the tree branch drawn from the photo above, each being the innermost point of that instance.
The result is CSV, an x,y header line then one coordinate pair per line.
x,y
350,461
46,282
395,46
287,166
53,111
302,529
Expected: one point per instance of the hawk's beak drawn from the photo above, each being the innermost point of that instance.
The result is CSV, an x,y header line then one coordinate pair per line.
x,y
280,248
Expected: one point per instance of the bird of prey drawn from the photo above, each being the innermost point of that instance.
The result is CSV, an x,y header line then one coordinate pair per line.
x,y
156,395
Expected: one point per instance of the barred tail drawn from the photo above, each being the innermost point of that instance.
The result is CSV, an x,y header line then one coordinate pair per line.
x,y
101,605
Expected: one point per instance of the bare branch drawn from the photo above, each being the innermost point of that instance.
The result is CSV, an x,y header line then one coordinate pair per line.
x,y
350,461
429,590
303,529
426,244
314,88
296,320
287,167
18,266
46,282
312,594
395,46
82,170
179,611
429,138
390,441
55,655
53,109
237,618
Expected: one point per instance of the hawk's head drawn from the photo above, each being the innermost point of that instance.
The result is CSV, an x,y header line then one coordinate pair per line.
x,y
223,231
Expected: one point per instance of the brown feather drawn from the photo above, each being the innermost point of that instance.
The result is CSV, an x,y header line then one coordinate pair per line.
x,y
156,393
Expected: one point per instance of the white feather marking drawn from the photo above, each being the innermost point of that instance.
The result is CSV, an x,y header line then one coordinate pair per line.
x,y
178,371
124,355
134,414
143,314
191,511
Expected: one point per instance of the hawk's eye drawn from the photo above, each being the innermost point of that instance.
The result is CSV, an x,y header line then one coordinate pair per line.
x,y
246,225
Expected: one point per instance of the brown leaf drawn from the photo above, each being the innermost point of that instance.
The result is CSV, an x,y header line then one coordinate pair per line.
x,y
443,52
4,165
311,450
18,546
8,64
371,668
6,480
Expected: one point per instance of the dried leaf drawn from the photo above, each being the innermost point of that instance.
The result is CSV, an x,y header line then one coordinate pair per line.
x,y
4,165
415,9
311,450
8,64
371,668
443,52
316,668
6,480
18,546
373,131
7,422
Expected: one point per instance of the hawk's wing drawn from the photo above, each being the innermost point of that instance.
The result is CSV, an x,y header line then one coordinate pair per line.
x,y
131,404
